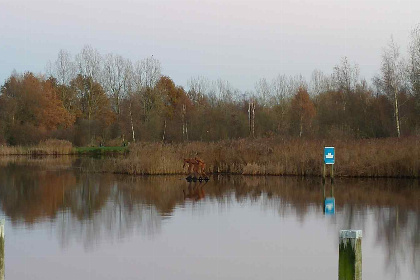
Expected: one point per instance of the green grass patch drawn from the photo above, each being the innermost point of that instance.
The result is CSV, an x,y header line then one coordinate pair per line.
x,y
100,150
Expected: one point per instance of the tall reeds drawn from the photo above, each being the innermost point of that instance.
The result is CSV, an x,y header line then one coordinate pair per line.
x,y
390,157
47,147
359,158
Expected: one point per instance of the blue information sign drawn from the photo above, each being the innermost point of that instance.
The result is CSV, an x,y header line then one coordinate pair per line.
x,y
329,155
329,206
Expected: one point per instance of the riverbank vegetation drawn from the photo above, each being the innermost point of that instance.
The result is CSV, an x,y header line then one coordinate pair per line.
x,y
46,147
388,157
59,147
275,156
100,151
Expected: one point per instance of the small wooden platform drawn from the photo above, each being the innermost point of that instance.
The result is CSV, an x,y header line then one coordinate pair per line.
x,y
195,179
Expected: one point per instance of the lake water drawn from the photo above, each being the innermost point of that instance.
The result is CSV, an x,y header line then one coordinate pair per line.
x,y
63,223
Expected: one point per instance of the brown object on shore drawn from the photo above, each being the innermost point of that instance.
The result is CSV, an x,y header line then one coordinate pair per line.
x,y
196,165
191,163
200,167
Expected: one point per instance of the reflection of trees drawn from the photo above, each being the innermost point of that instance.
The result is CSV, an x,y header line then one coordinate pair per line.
x,y
40,161
29,194
398,229
95,207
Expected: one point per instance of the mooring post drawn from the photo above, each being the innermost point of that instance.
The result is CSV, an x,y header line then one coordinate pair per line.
x,y
329,158
1,249
350,255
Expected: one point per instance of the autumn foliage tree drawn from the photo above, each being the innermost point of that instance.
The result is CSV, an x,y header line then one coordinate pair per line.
x,y
95,109
302,112
177,107
31,109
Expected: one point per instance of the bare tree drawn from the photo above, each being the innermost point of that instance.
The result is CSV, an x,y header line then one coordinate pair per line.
x,y
281,89
89,63
251,117
264,92
345,76
414,63
198,88
114,78
319,83
146,74
63,68
391,79
149,71
295,83
225,92
128,92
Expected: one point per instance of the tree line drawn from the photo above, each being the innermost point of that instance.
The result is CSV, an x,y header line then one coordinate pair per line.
x,y
91,99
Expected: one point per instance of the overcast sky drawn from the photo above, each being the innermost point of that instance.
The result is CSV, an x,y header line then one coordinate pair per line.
x,y
239,41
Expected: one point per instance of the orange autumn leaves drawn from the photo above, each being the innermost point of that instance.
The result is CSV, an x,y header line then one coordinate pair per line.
x,y
33,107
29,100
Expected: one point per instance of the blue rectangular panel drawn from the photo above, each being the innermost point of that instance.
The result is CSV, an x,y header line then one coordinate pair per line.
x,y
329,206
329,155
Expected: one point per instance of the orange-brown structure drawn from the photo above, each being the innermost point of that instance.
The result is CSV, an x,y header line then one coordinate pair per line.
x,y
195,165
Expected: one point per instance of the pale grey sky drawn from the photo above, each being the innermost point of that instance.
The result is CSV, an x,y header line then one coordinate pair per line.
x,y
239,41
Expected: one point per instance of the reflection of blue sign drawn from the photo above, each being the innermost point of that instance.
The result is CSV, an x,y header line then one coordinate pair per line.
x,y
329,206
329,155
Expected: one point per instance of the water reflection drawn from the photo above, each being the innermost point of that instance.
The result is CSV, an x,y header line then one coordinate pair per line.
x,y
91,208
1,249
329,202
195,191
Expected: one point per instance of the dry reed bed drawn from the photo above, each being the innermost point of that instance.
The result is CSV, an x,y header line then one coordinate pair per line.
x,y
47,147
359,158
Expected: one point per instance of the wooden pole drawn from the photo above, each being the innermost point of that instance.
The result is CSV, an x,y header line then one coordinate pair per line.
x,y
350,255
323,174
1,249
332,173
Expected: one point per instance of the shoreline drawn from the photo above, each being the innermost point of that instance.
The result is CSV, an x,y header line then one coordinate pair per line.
x,y
364,158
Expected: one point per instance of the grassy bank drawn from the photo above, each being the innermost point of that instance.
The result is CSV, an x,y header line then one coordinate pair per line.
x,y
100,150
358,158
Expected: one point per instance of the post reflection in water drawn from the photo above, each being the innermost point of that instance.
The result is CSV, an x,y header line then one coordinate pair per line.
x,y
147,220
1,249
329,202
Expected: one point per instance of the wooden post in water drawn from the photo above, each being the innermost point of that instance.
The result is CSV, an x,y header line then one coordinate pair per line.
x,y
350,255
329,158
1,249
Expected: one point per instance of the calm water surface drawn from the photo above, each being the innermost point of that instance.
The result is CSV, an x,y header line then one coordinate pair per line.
x,y
62,223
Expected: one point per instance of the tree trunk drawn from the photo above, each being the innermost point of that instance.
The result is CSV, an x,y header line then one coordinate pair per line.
x,y
132,125
301,126
164,131
397,114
